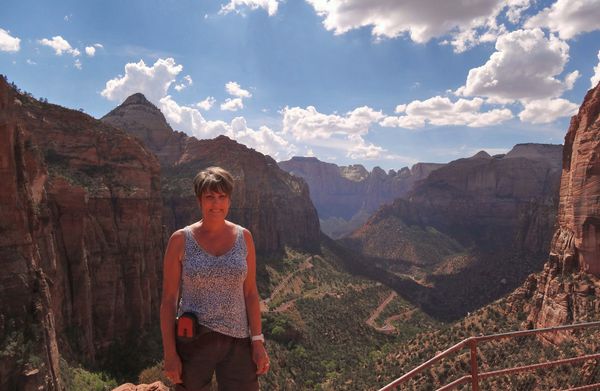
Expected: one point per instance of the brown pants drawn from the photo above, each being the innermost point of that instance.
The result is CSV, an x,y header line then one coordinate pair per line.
x,y
230,357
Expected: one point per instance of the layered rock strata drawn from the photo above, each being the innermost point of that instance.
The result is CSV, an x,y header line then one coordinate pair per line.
x,y
568,290
82,239
503,202
274,205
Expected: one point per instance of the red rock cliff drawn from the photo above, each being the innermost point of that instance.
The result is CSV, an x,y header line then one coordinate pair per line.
x,y
577,241
81,239
27,317
568,289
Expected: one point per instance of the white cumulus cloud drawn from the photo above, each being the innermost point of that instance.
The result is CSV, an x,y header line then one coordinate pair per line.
x,y
77,64
309,124
568,18
466,39
595,79
516,8
421,19
360,149
232,104
264,140
468,23
234,5
441,111
8,43
234,89
60,46
152,81
547,110
191,121
525,66
206,104
237,103
90,51
187,81
334,131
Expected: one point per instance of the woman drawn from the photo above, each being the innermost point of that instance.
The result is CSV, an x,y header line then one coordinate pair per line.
x,y
212,264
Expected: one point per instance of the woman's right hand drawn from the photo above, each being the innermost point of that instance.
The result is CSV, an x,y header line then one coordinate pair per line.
x,y
173,368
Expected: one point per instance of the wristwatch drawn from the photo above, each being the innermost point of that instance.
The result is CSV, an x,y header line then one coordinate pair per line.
x,y
259,337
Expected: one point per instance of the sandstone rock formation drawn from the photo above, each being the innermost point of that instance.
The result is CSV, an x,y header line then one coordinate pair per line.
x,y
81,241
346,196
274,205
568,290
493,203
472,230
156,386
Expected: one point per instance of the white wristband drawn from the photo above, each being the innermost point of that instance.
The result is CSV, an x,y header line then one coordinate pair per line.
x,y
259,337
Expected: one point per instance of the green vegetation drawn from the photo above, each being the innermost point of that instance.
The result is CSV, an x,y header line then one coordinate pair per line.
x,y
77,378
20,344
392,239
316,326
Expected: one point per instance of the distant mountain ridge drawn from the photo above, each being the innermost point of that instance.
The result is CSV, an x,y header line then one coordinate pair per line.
x,y
346,195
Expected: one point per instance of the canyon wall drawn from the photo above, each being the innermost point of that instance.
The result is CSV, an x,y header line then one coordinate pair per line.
x,y
82,238
568,289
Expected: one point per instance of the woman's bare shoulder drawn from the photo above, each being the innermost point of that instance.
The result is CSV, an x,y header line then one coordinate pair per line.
x,y
177,239
179,234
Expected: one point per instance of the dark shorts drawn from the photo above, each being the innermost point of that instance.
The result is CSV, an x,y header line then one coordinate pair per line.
x,y
229,357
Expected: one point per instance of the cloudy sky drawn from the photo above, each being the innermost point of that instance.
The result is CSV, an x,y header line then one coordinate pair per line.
x,y
376,82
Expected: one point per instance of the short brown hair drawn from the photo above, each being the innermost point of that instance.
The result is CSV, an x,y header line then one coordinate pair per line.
x,y
213,179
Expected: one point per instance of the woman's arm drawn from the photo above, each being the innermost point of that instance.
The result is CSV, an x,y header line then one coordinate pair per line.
x,y
168,305
259,354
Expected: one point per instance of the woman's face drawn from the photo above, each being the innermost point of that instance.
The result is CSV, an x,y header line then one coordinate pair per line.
x,y
214,205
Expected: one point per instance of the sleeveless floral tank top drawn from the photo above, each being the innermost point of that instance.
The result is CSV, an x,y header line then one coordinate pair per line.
x,y
213,286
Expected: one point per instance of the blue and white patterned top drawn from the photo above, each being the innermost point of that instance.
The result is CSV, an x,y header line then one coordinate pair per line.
x,y
213,286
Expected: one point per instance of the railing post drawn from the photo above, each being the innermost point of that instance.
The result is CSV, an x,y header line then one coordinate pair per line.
x,y
474,366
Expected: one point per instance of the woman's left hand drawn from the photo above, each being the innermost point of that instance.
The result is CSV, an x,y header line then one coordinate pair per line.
x,y
260,357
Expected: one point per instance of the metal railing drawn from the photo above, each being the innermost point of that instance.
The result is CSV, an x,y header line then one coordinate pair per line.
x,y
475,376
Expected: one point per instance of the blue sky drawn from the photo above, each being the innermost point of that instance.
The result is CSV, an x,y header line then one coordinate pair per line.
x,y
375,82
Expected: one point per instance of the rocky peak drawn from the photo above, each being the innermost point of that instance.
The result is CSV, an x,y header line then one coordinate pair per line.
x,y
354,172
142,119
306,159
378,172
481,155
138,99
